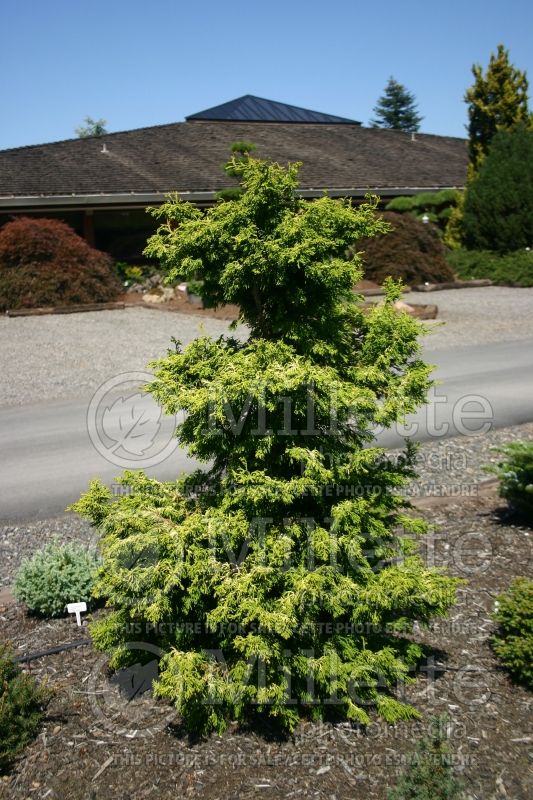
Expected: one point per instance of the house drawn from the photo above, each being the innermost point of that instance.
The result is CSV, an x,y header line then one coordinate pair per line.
x,y
101,186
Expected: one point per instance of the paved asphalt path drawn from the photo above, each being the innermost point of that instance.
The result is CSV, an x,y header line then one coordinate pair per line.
x,y
47,457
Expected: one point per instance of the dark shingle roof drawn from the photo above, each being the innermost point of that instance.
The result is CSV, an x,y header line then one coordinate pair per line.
x,y
257,109
189,157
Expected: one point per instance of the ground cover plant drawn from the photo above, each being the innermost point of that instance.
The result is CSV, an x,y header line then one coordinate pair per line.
x,y
412,251
54,576
21,701
509,269
277,581
43,262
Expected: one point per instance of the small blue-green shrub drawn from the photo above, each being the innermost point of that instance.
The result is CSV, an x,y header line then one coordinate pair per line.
x,y
56,575
429,774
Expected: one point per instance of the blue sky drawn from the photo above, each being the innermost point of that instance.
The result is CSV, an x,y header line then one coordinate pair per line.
x,y
137,63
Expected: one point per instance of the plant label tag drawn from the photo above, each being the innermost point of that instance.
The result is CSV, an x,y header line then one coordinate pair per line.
x,y
77,608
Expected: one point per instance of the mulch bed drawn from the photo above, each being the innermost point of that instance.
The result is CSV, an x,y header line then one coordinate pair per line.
x,y
94,744
181,305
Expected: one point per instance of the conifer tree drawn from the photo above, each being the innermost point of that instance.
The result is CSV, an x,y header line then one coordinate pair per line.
x,y
397,109
92,127
498,205
497,100
278,579
429,773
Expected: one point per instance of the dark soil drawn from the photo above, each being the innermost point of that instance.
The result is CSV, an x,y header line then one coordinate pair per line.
x,y
183,306
95,745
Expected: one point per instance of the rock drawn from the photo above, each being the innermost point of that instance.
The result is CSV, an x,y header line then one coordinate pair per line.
x,y
417,310
155,280
435,287
168,293
153,297
159,295
401,306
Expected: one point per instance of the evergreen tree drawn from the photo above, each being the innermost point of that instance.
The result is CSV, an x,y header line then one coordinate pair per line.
x,y
496,100
498,205
397,109
278,579
92,127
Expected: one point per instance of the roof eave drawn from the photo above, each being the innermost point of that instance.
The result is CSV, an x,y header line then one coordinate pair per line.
x,y
148,198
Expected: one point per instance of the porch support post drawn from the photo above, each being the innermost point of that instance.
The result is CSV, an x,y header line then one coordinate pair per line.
x,y
88,227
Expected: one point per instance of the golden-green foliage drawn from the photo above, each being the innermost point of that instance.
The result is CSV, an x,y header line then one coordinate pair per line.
x,y
278,578
497,100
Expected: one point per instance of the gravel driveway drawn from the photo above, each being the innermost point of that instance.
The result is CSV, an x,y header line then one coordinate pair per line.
x,y
66,356
69,355
477,316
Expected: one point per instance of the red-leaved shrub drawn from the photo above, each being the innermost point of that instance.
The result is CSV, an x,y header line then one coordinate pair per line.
x,y
412,251
43,262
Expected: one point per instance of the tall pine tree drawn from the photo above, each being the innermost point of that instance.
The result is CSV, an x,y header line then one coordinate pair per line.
x,y
397,109
497,100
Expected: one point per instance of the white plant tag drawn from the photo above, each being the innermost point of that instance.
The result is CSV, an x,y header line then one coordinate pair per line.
x,y
77,608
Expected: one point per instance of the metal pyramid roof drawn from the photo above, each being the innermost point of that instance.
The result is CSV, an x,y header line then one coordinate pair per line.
x,y
249,108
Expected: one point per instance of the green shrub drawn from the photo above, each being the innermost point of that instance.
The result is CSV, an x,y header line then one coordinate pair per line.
x,y
429,775
21,701
453,232
498,202
401,204
513,642
277,579
195,287
43,262
438,206
128,273
54,576
515,473
411,252
512,269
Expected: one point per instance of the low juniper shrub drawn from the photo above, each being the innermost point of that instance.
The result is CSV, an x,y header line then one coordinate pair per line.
x,y
505,269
